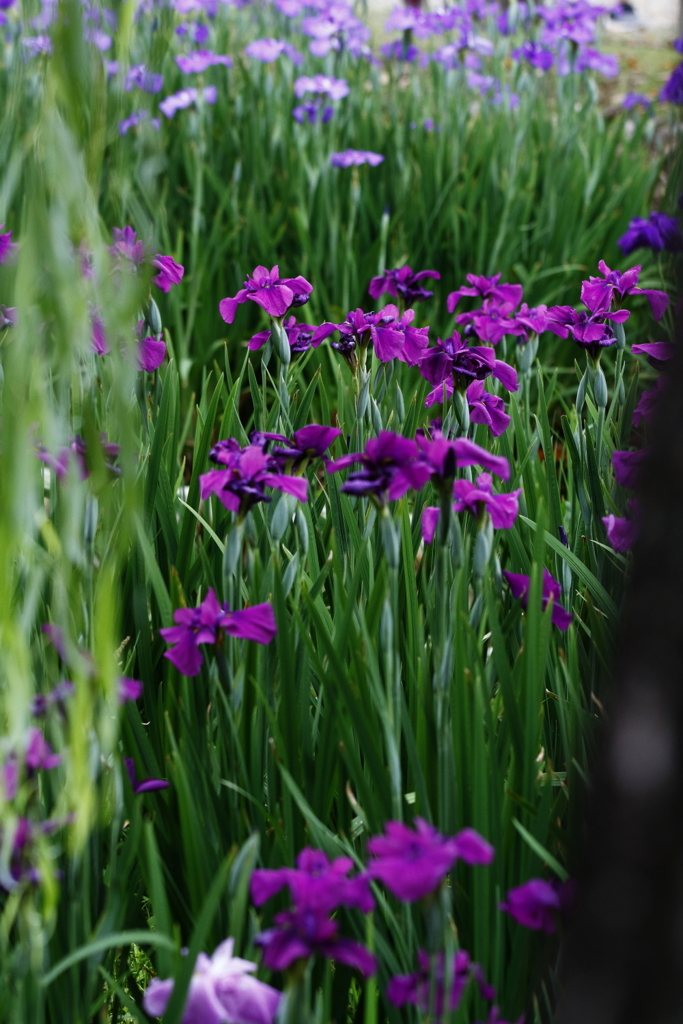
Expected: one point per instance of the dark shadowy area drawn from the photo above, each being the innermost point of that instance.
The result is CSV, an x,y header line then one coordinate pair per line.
x,y
624,951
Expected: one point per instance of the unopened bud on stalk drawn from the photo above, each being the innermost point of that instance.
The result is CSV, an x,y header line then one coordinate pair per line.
x,y
280,341
462,410
620,335
386,627
390,539
233,549
482,554
302,530
600,388
375,416
153,318
581,392
364,396
400,405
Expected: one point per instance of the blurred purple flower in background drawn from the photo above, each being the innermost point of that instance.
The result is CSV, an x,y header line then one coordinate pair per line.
x,y
534,905
136,118
145,785
429,983
412,863
486,288
404,284
316,883
657,232
200,60
535,55
138,77
300,934
321,85
628,466
355,157
7,246
636,99
519,588
185,98
672,91
268,50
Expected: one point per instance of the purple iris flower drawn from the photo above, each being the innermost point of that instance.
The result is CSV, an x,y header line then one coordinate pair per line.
x,y
207,623
248,471
419,988
413,863
658,352
9,778
8,316
146,785
627,467
648,403
139,77
479,499
403,284
313,111
39,755
77,451
316,883
657,232
322,85
37,44
299,336
360,329
490,323
7,246
535,55
301,933
442,457
58,695
486,288
355,158
128,247
151,351
597,293
198,61
533,321
453,359
129,689
636,99
310,442
588,59
268,50
98,338
136,118
534,905
486,408
274,294
399,51
388,468
588,329
170,272
222,989
184,98
622,532
519,587
415,339
673,89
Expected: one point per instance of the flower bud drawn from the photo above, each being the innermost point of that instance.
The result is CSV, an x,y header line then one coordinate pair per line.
x,y
400,405
281,518
153,318
302,530
363,398
581,392
390,539
375,416
482,554
620,335
600,388
280,341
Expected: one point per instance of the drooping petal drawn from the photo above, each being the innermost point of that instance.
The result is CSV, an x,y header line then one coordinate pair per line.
x,y
228,307
256,623
151,353
428,523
